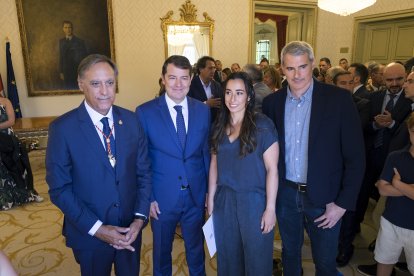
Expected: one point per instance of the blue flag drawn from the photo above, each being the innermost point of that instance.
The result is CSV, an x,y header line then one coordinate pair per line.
x,y
12,93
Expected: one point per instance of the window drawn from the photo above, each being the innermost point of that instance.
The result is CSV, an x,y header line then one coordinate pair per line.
x,y
262,50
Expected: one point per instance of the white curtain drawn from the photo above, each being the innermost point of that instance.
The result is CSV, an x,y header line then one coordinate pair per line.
x,y
176,49
201,43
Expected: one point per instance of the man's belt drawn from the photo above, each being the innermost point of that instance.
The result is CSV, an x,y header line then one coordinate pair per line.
x,y
301,187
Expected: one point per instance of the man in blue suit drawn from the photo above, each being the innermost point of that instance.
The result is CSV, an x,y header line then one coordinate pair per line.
x,y
98,173
322,160
177,128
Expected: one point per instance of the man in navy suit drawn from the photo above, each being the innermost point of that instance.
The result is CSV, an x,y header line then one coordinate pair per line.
x,y
322,160
360,74
177,128
98,173
203,86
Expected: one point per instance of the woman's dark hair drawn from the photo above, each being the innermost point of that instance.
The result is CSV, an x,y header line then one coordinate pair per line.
x,y
227,71
247,134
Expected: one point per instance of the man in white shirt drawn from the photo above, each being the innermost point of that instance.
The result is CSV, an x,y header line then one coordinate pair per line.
x,y
99,175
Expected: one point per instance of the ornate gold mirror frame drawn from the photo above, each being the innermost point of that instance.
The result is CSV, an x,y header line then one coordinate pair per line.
x,y
181,36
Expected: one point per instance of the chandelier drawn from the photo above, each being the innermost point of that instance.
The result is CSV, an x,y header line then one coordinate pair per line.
x,y
344,7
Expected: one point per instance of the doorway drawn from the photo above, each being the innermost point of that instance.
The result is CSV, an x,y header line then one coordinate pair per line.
x,y
300,24
384,38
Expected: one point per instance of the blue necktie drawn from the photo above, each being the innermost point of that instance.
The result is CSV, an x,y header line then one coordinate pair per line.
x,y
179,120
107,134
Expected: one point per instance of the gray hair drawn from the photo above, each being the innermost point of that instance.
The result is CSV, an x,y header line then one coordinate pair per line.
x,y
297,48
255,74
93,59
333,71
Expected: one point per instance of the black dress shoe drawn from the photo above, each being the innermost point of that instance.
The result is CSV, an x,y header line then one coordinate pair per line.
x,y
343,257
277,267
370,270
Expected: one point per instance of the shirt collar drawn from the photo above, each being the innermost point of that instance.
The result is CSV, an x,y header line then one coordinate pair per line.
x,y
357,87
396,95
307,96
171,103
96,116
204,85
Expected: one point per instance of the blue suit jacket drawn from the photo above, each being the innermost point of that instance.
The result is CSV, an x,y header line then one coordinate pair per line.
x,y
197,92
336,156
82,182
173,167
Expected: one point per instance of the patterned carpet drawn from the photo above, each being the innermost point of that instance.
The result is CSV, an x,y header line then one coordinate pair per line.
x,y
31,237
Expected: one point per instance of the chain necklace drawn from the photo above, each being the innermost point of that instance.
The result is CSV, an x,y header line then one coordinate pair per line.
x,y
107,139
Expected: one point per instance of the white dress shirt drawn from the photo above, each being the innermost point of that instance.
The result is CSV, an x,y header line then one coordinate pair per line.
x,y
173,112
96,119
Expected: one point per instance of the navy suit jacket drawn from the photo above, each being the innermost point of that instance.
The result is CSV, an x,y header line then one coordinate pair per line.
x,y
336,159
173,167
82,182
362,92
197,92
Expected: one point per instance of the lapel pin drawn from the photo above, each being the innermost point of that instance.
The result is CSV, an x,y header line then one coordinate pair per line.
x,y
120,122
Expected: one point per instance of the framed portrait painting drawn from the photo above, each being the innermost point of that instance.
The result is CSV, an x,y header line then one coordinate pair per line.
x,y
56,35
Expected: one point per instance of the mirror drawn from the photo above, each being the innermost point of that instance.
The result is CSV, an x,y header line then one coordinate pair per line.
x,y
187,36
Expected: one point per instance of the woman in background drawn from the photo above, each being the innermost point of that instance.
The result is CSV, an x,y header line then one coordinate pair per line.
x,y
225,73
243,182
16,179
272,79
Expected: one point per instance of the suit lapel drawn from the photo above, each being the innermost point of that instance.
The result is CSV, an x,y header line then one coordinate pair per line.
x,y
280,119
191,122
92,137
120,136
216,89
166,117
317,111
380,101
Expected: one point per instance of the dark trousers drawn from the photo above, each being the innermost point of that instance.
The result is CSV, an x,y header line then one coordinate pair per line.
x,y
348,232
191,219
99,261
295,213
375,163
242,248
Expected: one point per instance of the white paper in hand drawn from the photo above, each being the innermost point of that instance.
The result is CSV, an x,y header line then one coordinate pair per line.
x,y
208,230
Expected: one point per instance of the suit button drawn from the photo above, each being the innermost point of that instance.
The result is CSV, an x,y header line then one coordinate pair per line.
x,y
184,161
117,183
116,205
179,178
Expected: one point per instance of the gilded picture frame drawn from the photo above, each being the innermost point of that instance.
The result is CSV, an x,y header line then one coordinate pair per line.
x,y
56,35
